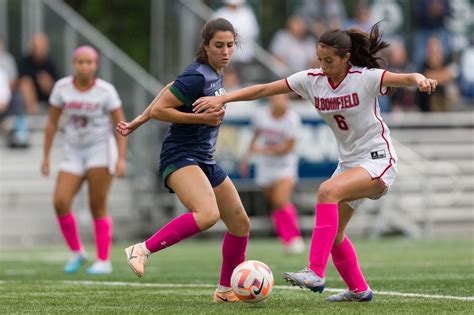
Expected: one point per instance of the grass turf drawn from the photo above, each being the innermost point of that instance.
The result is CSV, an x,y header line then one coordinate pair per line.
x,y
31,280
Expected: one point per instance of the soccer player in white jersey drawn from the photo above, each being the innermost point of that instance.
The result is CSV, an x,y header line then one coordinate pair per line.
x,y
344,92
90,152
273,143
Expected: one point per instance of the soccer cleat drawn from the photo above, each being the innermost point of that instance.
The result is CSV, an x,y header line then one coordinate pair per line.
x,y
137,257
75,262
306,278
225,296
295,246
351,296
100,267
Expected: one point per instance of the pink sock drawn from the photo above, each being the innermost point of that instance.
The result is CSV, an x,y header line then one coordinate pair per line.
x,y
68,226
103,237
285,223
323,237
344,257
176,230
233,253
291,210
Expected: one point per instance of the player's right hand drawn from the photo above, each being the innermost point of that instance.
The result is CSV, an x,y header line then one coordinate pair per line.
x,y
45,167
213,118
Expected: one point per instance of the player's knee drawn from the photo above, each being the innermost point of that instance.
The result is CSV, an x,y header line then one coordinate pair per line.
x,y
61,205
278,203
207,219
327,193
239,224
243,225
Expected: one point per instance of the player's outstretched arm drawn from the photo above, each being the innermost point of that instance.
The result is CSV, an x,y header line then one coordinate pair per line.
x,y
410,79
125,128
254,92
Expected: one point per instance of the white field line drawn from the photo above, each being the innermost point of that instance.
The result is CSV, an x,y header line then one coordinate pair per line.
x,y
279,287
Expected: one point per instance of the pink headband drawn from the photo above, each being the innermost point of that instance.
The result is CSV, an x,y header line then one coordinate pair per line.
x,y
90,51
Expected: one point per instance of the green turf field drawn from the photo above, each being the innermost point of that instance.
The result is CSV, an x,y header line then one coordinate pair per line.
x,y
407,276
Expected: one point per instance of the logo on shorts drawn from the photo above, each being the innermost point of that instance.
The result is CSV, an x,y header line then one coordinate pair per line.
x,y
380,154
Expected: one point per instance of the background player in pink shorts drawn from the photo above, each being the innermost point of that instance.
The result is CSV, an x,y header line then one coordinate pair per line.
x,y
276,166
90,152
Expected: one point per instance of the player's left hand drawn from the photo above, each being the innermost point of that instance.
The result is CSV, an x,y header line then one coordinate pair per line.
x,y
125,128
121,167
208,104
427,85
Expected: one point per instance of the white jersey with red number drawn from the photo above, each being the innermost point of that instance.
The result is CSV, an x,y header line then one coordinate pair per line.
x,y
87,111
274,132
351,110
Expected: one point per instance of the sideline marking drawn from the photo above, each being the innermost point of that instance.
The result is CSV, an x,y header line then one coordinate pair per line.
x,y
279,287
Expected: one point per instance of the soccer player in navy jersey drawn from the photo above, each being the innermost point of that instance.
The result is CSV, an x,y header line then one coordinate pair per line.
x,y
187,165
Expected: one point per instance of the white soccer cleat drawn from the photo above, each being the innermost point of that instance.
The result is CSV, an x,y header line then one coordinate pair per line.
x,y
350,296
100,267
137,257
295,246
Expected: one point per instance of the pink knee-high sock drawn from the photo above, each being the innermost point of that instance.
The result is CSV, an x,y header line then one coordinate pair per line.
x,y
103,237
285,223
323,237
176,230
291,209
233,253
344,258
69,229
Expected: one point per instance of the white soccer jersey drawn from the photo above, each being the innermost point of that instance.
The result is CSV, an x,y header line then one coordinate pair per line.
x,y
87,112
5,93
274,132
351,110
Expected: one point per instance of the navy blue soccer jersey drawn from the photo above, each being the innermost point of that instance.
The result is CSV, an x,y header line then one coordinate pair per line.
x,y
193,141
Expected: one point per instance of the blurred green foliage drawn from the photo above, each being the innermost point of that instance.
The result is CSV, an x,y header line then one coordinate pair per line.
x,y
125,22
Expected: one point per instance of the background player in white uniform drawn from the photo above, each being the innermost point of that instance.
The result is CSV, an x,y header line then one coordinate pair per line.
x,y
90,152
274,139
344,92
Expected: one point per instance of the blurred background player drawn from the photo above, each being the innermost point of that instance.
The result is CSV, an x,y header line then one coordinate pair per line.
x,y
246,26
37,74
91,153
5,93
13,119
276,129
187,164
344,92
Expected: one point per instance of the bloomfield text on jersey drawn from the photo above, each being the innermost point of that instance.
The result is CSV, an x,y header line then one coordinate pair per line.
x,y
337,102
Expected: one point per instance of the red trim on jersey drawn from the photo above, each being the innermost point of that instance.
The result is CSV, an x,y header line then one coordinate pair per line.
x,y
385,139
316,74
83,89
381,82
288,85
331,83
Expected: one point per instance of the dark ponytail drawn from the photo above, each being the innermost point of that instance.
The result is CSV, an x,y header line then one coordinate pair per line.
x,y
364,47
208,31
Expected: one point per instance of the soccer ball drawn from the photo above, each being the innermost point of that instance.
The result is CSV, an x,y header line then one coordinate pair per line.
x,y
252,281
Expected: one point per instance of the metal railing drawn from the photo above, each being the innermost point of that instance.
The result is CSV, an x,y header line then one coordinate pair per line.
x,y
423,172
